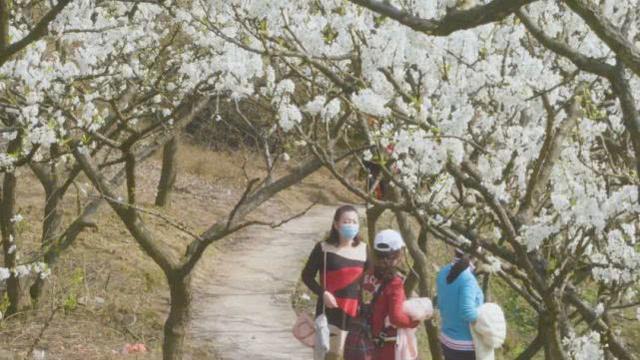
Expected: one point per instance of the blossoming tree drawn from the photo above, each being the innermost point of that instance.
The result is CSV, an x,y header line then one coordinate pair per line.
x,y
514,126
517,139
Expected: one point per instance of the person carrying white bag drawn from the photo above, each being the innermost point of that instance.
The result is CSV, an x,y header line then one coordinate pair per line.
x,y
488,331
459,297
340,260
419,309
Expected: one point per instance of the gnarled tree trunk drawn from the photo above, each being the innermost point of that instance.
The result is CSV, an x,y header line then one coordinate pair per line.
x,y
168,175
8,228
51,225
176,325
372,214
553,349
420,265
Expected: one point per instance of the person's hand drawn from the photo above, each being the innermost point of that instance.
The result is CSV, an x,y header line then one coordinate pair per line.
x,y
415,324
329,300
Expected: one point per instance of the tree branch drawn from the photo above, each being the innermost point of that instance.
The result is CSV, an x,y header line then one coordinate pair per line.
x,y
581,61
630,113
549,153
156,250
454,21
608,33
597,324
40,30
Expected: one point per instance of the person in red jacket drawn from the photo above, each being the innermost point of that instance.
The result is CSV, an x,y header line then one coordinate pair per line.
x,y
386,290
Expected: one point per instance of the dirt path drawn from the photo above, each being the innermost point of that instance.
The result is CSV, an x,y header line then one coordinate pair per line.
x,y
243,310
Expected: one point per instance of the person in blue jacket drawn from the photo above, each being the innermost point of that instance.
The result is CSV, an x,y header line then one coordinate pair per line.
x,y
459,297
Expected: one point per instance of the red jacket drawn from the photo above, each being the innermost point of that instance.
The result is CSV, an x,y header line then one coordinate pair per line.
x,y
389,303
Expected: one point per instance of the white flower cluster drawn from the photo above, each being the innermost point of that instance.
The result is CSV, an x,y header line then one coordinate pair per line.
x,y
493,265
6,161
618,262
371,103
4,274
16,218
319,105
316,105
289,115
39,268
586,347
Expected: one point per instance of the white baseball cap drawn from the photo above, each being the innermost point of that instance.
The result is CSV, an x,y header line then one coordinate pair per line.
x,y
388,240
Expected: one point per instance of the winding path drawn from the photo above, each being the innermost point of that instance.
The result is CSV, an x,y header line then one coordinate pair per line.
x,y
242,310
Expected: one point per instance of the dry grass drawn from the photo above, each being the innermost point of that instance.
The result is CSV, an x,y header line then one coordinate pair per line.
x,y
107,290
103,287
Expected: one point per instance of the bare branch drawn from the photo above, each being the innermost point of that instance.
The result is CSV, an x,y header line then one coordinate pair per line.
x,y
242,200
155,249
454,21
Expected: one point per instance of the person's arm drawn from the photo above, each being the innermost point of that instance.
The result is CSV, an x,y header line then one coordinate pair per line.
x,y
311,268
397,316
468,308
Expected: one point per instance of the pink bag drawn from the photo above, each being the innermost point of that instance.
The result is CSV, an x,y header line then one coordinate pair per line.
x,y
304,329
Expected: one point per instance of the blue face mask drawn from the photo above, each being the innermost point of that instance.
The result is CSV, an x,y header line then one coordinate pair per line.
x,y
348,231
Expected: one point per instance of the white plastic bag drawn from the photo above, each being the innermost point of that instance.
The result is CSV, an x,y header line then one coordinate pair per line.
x,y
321,343
418,308
489,331
406,345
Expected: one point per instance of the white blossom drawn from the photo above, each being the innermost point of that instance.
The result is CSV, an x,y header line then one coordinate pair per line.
x,y
16,218
371,103
315,106
331,110
585,347
4,274
289,115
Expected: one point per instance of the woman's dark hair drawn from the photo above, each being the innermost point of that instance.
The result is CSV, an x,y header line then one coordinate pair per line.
x,y
462,263
334,236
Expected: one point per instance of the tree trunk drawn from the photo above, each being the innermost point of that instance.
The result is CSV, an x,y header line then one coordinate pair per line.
x,y
373,214
536,345
51,226
176,325
420,265
7,226
631,115
485,287
552,344
168,175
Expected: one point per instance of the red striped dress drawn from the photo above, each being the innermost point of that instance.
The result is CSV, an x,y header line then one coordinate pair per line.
x,y
345,268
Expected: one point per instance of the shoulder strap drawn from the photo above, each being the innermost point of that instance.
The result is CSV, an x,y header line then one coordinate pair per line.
x,y
377,293
324,270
